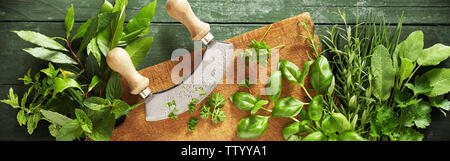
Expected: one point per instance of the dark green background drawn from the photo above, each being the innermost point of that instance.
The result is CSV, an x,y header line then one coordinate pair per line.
x,y
228,18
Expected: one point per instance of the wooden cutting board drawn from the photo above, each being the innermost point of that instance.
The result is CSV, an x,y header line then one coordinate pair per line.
x,y
283,32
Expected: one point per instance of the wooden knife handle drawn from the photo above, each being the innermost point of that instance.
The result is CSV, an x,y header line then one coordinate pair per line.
x,y
119,61
182,11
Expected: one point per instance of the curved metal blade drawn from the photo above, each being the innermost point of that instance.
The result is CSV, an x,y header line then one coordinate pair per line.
x,y
197,86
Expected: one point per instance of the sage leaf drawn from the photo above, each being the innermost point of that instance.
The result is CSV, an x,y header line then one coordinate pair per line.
x,y
69,20
83,119
438,79
55,117
412,46
40,39
114,87
383,71
96,103
69,131
62,84
434,55
138,49
406,68
50,55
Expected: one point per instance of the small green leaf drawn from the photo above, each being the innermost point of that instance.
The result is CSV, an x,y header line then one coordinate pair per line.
x,y
32,122
22,118
243,101
216,100
245,83
434,55
291,129
420,88
106,7
95,80
218,116
290,71
69,20
138,49
82,29
274,86
13,99
305,71
69,131
321,75
440,102
93,48
252,127
315,136
50,71
383,71
119,108
205,111
142,19
55,117
85,122
103,126
406,68
117,23
335,122
412,46
114,87
258,105
418,114
287,107
438,79
409,134
50,55
53,129
96,103
192,123
62,84
40,39
351,136
315,109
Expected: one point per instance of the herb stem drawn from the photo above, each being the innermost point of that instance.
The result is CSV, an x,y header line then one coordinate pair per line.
x,y
306,91
293,118
265,34
73,53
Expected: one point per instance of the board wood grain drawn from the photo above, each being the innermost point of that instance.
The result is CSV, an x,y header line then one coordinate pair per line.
x,y
281,33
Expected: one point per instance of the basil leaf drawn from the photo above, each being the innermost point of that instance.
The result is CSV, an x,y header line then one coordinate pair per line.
x,y
438,79
287,107
258,105
85,122
291,129
69,20
290,71
412,46
434,55
321,74
305,71
335,122
315,109
96,103
69,131
383,71
243,101
351,136
56,117
114,87
40,39
315,136
252,127
406,69
274,86
50,55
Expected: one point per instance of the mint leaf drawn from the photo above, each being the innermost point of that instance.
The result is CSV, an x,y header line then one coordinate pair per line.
x,y
138,49
40,39
50,55
69,20
120,108
104,123
95,80
13,99
117,23
114,87
62,84
32,122
96,103
55,117
82,29
22,118
419,88
69,131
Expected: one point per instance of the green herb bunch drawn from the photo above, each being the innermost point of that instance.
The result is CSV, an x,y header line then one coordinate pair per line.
x,y
376,80
78,93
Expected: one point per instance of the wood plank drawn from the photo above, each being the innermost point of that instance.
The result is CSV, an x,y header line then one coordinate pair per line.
x,y
248,11
167,38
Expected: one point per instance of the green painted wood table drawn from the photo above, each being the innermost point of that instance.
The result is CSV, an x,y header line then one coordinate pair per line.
x,y
227,17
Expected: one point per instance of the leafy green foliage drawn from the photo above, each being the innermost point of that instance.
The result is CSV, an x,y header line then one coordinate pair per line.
x,y
383,71
205,111
218,116
321,74
245,83
50,55
40,40
69,131
69,20
138,49
114,87
243,101
253,126
274,86
216,100
287,107
192,104
434,55
192,123
438,79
